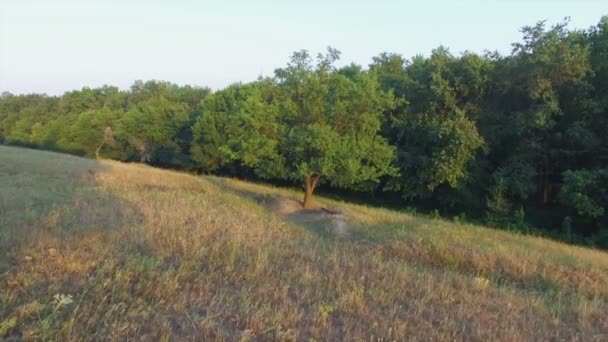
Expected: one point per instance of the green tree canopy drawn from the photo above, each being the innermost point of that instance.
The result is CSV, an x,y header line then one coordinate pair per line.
x,y
330,123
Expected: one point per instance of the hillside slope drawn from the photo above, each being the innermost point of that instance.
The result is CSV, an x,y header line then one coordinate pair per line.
x,y
103,249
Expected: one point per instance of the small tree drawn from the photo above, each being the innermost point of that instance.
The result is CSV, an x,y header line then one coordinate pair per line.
x,y
586,191
89,132
152,126
108,138
317,125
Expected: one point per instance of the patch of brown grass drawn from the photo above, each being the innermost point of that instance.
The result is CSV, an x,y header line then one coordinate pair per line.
x,y
131,252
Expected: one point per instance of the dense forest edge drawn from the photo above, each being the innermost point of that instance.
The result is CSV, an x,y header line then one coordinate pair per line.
x,y
514,141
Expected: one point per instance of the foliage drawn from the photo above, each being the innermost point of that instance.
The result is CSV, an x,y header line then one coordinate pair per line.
x,y
313,124
330,123
514,140
585,191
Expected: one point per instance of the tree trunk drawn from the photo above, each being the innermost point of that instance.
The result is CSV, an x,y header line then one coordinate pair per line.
x,y
310,183
99,149
545,181
546,189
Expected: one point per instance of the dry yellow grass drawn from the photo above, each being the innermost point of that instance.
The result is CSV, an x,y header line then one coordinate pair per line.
x,y
103,250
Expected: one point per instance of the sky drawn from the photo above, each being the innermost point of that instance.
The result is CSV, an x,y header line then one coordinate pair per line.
x,y
53,46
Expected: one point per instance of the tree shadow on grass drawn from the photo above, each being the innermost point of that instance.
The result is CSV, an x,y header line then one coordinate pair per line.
x,y
405,241
396,241
326,223
57,229
52,196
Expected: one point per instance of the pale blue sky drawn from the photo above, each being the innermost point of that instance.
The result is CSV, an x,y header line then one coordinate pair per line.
x,y
56,45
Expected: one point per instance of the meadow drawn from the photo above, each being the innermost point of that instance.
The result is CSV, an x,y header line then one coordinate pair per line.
x,y
103,250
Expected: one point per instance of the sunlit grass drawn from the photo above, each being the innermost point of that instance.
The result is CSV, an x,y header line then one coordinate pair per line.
x,y
104,250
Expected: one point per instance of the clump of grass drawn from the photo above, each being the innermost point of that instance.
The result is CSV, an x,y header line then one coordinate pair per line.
x,y
148,254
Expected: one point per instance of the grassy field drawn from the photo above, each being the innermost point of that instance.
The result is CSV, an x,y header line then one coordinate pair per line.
x,y
103,250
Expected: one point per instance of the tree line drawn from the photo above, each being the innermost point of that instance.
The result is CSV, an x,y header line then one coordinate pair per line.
x,y
517,141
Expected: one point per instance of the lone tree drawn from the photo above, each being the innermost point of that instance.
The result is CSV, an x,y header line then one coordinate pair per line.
x,y
316,123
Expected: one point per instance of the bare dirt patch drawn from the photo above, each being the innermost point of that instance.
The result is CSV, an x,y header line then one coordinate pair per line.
x,y
317,217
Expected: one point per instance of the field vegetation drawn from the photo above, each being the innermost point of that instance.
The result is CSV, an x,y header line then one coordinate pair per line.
x,y
99,249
